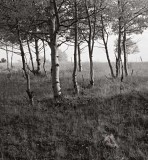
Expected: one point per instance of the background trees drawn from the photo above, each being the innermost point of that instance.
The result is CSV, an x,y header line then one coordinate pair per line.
x,y
62,56
55,22
129,20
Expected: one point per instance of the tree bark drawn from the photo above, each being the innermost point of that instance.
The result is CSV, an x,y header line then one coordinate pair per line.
x,y
90,41
55,69
109,62
79,58
106,47
12,57
38,70
74,75
31,58
7,56
27,76
125,53
91,72
118,59
44,57
53,29
91,67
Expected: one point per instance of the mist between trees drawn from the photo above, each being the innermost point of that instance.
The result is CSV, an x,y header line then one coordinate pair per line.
x,y
29,26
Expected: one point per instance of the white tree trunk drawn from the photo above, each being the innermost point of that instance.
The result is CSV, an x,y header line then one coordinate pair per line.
x,y
55,70
53,29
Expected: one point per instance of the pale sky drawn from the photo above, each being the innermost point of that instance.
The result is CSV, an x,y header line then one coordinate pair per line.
x,y
99,53
100,56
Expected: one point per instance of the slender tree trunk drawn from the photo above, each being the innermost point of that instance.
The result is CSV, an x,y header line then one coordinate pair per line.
x,y
91,67
109,62
44,57
7,56
122,72
106,48
27,76
118,59
12,57
125,54
79,58
74,75
31,58
90,41
37,56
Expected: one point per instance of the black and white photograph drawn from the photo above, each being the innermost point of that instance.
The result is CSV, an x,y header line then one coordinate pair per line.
x,y
73,79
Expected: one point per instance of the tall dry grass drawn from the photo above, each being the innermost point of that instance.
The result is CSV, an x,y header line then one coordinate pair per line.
x,y
74,127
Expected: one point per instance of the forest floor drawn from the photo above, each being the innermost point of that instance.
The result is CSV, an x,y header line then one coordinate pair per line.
x,y
74,128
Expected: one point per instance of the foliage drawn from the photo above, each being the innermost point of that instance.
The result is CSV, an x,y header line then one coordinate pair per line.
x,y
3,60
132,15
131,47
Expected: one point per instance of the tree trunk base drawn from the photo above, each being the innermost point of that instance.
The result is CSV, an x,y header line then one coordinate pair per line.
x,y
31,97
76,89
91,83
36,72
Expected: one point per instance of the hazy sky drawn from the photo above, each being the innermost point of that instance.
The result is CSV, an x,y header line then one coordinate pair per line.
x,y
99,53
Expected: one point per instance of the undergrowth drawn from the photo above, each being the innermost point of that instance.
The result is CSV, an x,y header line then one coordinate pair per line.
x,y
74,127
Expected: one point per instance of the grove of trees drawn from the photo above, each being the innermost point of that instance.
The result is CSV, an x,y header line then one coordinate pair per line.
x,y
41,23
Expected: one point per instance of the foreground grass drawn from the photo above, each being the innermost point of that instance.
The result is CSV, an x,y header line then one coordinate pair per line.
x,y
73,128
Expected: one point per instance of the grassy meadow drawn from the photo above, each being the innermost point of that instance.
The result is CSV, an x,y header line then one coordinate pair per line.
x,y
74,127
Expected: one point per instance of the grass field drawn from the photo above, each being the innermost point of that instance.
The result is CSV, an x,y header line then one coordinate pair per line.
x,y
74,128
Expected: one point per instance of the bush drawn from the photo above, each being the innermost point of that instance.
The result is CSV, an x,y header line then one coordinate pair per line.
x,y
3,60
